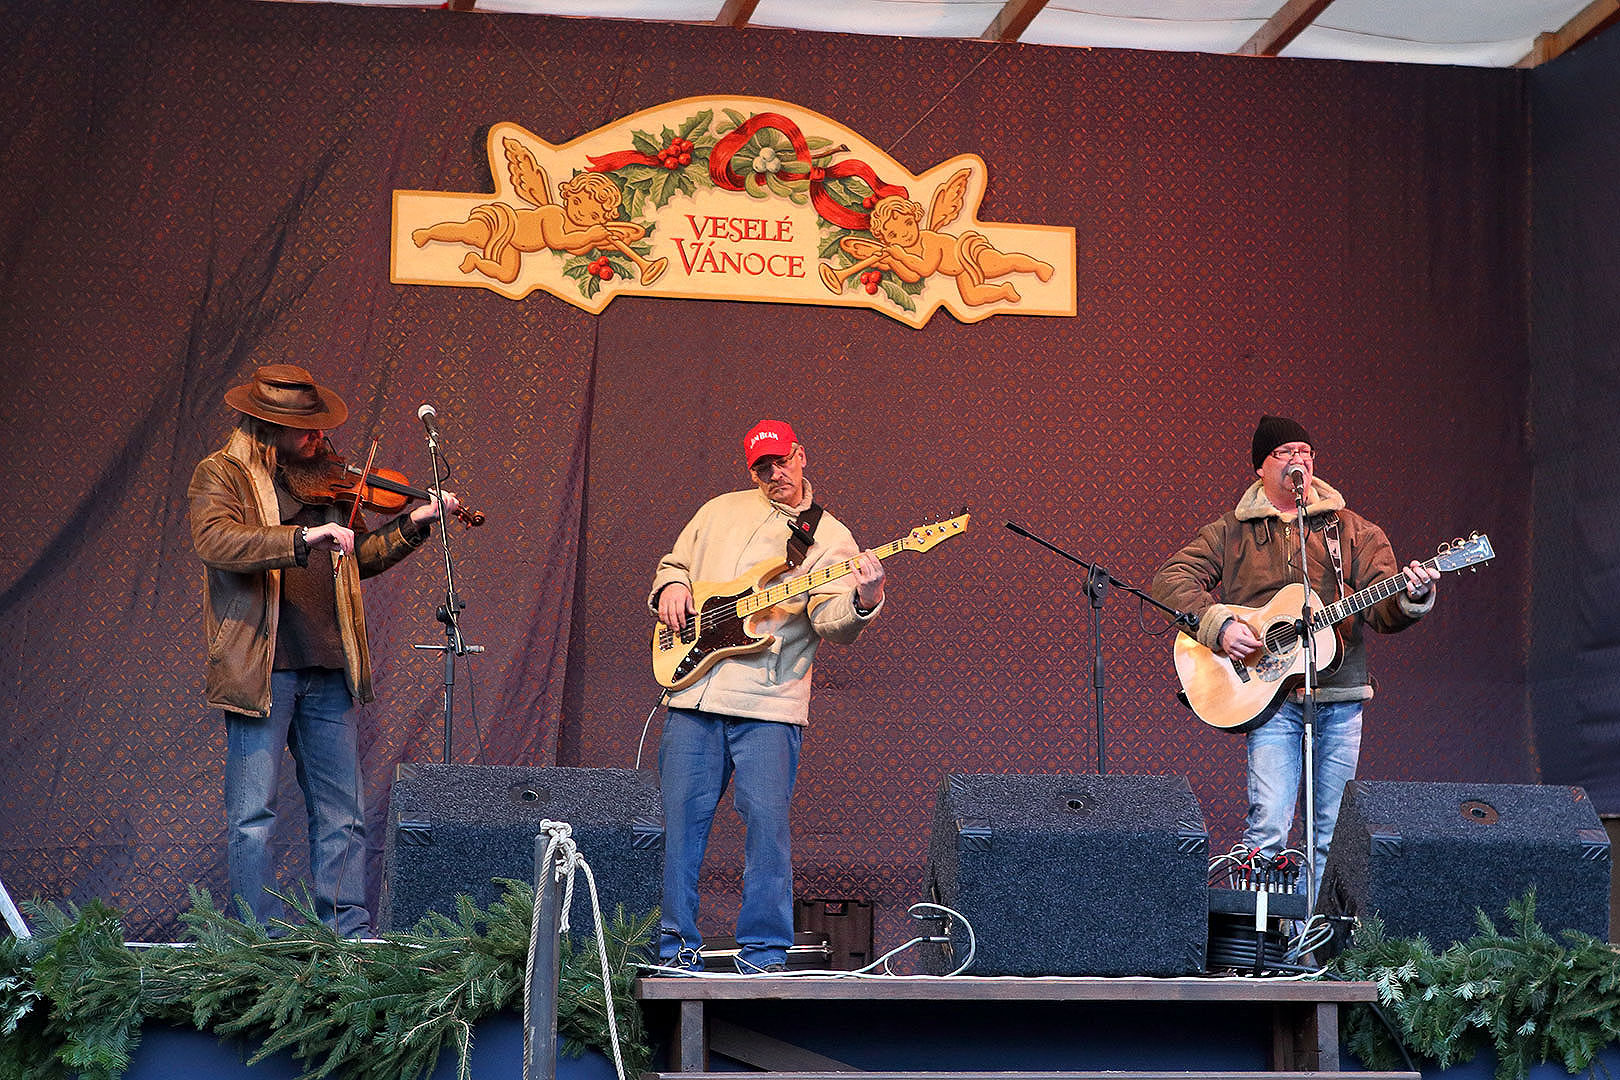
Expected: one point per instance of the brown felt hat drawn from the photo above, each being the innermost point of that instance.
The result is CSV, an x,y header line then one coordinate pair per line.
x,y
288,395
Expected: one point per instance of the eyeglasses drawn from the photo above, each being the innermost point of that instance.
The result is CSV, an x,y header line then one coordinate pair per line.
x,y
1283,453
765,466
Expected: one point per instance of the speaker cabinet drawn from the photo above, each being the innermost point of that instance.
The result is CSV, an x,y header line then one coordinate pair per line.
x,y
1071,874
451,828
1423,856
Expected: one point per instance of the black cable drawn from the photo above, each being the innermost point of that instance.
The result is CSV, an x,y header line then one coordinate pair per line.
x,y
1395,1036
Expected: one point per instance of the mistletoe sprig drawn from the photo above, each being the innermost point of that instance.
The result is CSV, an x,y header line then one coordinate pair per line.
x,y
1524,994
73,997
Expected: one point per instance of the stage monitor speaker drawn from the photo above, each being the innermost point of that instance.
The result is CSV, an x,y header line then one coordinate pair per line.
x,y
451,828
1424,856
1071,874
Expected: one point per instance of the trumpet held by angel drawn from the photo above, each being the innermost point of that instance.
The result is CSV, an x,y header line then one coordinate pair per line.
x,y
584,220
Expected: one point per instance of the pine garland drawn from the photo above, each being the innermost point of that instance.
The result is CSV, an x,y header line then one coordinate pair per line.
x,y
73,997
1524,994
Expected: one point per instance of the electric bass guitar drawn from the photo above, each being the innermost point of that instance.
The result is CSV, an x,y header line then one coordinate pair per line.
x,y
723,626
1227,693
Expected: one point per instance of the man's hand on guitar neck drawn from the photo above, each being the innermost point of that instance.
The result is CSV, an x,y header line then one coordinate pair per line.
x,y
675,606
867,570
1419,579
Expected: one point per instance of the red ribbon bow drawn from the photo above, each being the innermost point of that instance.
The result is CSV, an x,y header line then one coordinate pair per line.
x,y
721,172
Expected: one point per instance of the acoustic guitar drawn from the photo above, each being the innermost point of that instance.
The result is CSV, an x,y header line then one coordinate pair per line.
x,y
723,626
1226,693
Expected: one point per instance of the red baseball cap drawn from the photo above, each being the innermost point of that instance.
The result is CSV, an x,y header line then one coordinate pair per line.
x,y
768,438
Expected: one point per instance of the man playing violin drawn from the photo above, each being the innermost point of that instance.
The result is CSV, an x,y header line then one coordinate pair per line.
x,y
287,653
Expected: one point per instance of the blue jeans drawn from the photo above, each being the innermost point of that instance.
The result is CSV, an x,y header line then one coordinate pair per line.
x,y
310,715
1276,762
697,757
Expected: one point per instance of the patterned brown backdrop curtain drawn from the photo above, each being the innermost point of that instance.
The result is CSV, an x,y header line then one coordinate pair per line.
x,y
196,189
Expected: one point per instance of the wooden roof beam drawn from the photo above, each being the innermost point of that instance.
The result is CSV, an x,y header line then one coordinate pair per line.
x,y
1552,44
1012,20
736,13
1283,27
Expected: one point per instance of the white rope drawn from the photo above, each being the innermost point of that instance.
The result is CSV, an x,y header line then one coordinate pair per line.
x,y
561,860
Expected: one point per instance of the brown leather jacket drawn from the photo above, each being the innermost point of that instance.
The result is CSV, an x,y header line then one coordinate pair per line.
x,y
1251,552
231,499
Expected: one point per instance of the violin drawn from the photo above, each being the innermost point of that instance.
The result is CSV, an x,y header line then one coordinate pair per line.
x,y
330,479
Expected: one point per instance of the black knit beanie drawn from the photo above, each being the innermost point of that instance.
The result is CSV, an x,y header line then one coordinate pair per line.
x,y
1271,432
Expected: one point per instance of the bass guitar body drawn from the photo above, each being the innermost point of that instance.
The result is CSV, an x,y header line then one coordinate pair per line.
x,y
1234,696
724,624
680,658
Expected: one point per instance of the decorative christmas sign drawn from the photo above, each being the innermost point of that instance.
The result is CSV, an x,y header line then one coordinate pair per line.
x,y
729,198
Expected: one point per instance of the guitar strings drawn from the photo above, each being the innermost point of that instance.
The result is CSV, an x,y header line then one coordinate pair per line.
x,y
729,612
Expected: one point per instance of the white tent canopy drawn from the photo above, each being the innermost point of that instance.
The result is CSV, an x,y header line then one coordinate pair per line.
x,y
1475,33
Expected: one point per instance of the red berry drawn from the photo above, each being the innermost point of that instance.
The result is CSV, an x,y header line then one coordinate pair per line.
x,y
606,273
670,163
868,202
871,288
686,159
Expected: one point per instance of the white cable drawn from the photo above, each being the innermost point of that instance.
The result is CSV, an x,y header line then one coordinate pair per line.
x,y
647,725
561,848
973,941
866,972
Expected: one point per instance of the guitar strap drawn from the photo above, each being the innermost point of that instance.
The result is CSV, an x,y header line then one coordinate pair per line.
x,y
801,534
1330,537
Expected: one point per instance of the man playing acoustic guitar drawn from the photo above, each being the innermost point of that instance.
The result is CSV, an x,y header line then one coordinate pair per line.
x,y
1250,553
746,716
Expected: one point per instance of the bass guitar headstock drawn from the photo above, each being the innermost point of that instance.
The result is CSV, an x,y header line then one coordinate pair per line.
x,y
924,537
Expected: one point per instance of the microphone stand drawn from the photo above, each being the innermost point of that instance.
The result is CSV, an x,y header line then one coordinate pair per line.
x,y
1097,582
449,613
1308,704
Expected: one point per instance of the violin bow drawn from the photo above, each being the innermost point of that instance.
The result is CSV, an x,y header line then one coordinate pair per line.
x,y
359,497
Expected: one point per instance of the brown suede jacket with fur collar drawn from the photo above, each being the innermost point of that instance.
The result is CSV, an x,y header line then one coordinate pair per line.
x,y
1252,551
235,527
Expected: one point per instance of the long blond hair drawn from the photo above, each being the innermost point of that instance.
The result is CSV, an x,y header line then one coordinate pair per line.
x,y
262,434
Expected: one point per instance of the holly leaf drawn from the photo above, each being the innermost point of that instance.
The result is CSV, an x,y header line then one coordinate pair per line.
x,y
737,120
644,143
631,200
590,286
664,188
829,245
637,171
699,122
577,268
891,288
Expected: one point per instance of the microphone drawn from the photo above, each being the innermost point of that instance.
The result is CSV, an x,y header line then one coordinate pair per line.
x,y
1294,474
426,414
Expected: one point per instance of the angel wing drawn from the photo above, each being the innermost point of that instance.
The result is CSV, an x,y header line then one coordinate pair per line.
x,y
948,200
527,176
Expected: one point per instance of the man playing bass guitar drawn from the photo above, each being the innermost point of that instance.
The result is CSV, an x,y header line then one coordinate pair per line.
x,y
746,715
1248,554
